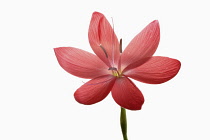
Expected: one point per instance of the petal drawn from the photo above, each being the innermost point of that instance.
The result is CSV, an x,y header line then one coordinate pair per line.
x,y
101,33
156,70
80,63
142,47
94,90
126,94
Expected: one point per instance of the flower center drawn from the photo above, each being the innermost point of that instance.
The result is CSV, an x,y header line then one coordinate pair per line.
x,y
115,72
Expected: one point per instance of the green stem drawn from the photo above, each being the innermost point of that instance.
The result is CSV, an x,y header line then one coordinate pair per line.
x,y
123,123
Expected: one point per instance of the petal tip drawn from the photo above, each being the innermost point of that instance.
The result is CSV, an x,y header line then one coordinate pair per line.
x,y
95,13
78,98
59,49
155,23
55,49
177,64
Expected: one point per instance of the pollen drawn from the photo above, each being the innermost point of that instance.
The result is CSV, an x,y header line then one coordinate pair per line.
x,y
115,72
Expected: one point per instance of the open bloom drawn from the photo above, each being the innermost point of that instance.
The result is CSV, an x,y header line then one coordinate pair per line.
x,y
109,70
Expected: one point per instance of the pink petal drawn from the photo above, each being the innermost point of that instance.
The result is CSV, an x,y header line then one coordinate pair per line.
x,y
101,33
142,46
156,70
80,63
94,90
126,94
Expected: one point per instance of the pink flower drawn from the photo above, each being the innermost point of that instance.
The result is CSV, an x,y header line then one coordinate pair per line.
x,y
110,70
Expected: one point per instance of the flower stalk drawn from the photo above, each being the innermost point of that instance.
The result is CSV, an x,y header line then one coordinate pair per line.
x,y
123,123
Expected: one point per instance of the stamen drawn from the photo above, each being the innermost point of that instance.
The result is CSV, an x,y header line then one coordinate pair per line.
x,y
121,45
112,68
119,63
104,50
113,51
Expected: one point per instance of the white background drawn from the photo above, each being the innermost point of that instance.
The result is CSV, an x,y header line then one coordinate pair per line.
x,y
36,94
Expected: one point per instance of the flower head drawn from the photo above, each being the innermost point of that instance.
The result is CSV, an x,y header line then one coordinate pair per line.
x,y
110,69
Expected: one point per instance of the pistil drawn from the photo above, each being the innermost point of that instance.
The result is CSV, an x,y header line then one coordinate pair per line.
x,y
115,72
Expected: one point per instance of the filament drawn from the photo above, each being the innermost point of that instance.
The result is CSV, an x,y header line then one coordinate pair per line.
x,y
113,49
98,82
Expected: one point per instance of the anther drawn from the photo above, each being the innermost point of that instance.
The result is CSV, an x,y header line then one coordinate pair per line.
x,y
114,71
104,50
121,45
112,68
